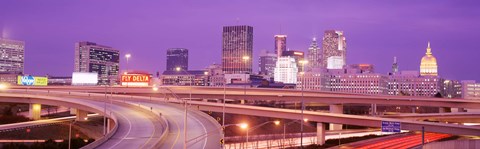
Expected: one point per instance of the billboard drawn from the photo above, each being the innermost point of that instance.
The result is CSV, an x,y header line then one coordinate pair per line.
x,y
84,78
32,80
135,79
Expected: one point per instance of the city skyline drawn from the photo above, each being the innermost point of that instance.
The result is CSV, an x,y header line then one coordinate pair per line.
x,y
452,33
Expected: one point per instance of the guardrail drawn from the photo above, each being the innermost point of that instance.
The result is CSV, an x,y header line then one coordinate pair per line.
x,y
102,140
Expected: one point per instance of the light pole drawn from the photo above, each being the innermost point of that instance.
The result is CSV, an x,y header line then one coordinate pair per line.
x,y
70,134
258,126
185,118
285,130
245,60
223,107
127,56
303,62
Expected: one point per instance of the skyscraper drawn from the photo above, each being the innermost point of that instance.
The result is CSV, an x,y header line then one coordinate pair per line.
x,y
237,48
334,47
286,70
428,65
314,55
177,57
266,63
280,44
92,57
12,56
394,66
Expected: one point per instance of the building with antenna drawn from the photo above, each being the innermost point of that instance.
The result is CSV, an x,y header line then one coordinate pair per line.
x,y
394,65
280,44
314,55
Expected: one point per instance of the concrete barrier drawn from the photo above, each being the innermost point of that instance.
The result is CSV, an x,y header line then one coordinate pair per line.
x,y
463,144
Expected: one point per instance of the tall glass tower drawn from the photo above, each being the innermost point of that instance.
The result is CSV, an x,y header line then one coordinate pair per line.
x,y
177,57
237,48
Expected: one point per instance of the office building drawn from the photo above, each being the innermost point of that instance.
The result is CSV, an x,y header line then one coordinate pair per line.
x,y
104,60
298,56
185,78
470,90
409,83
215,75
314,80
237,48
451,89
12,56
314,55
267,63
286,70
352,81
177,58
280,44
428,65
334,50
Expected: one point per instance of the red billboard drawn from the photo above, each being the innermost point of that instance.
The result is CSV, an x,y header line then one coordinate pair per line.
x,y
136,78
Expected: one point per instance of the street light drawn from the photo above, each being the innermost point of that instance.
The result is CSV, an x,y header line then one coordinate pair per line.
x,y
185,118
127,56
303,62
70,134
245,126
285,129
245,60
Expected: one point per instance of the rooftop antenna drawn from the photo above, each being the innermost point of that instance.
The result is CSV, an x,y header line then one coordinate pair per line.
x,y
281,28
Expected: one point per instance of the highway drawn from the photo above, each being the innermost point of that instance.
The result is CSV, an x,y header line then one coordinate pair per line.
x,y
401,142
137,128
198,125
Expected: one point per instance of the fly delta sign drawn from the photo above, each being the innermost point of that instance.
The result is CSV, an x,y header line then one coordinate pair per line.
x,y
389,126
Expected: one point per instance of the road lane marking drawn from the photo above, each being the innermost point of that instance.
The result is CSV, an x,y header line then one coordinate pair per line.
x,y
128,132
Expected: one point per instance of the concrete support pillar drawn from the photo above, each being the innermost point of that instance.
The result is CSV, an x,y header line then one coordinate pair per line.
x,y
219,101
73,111
110,125
374,109
81,115
444,110
242,101
35,111
205,100
320,133
336,108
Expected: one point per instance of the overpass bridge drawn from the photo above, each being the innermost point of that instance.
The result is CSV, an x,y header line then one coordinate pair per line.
x,y
331,98
146,95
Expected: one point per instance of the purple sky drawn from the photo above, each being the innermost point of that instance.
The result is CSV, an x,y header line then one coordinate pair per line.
x,y
375,30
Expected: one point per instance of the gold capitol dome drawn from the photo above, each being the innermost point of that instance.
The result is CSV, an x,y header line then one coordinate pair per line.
x,y
428,66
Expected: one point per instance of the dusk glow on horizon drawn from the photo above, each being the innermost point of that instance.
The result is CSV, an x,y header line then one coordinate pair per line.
x,y
375,31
